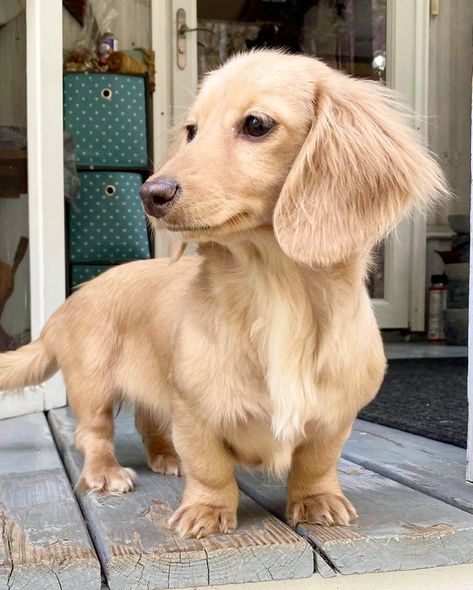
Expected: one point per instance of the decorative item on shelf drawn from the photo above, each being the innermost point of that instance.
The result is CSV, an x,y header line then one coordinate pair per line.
x,y
145,56
122,62
94,43
83,60
7,286
130,61
457,267
106,46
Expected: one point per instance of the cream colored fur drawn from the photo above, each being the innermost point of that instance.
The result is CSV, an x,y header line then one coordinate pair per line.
x,y
262,349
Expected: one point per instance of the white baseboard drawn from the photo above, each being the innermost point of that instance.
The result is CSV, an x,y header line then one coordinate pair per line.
x,y
456,577
51,394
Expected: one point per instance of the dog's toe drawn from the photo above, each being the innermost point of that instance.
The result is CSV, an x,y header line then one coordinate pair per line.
x,y
165,464
110,480
325,509
199,520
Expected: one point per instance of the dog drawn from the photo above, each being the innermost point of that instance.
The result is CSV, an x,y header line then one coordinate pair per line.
x,y
261,349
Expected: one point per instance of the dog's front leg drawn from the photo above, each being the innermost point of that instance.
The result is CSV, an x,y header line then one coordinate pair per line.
x,y
210,500
314,493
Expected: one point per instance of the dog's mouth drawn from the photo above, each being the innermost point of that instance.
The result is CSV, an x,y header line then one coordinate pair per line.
x,y
233,223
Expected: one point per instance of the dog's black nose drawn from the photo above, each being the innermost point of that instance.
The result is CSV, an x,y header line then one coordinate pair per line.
x,y
158,194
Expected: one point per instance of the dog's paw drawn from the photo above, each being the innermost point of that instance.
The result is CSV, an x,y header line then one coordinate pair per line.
x,y
109,480
199,520
325,509
165,464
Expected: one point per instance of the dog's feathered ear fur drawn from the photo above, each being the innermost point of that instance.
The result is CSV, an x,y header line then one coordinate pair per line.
x,y
361,167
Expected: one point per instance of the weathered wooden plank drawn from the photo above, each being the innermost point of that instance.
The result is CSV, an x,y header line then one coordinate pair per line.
x,y
322,566
138,551
432,467
398,528
44,543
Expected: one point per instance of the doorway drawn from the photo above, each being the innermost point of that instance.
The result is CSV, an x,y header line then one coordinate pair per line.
x,y
377,39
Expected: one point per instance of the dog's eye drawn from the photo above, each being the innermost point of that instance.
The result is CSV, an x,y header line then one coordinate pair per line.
x,y
254,126
191,131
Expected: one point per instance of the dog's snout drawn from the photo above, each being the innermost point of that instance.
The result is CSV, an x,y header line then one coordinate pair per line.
x,y
158,194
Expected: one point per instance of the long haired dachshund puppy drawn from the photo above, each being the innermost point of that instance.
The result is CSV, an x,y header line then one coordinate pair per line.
x,y
262,349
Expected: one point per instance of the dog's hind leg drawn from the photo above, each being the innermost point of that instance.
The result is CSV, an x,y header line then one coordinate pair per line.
x,y
92,404
160,452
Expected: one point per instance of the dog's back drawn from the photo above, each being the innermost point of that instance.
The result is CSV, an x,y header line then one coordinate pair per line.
x,y
93,322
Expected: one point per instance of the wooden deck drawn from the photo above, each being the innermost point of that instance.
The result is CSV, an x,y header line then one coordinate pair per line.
x,y
415,512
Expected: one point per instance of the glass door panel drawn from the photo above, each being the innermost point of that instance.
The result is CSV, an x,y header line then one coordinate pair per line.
x,y
348,35
15,328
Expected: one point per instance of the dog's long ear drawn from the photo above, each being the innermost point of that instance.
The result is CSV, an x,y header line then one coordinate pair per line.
x,y
361,167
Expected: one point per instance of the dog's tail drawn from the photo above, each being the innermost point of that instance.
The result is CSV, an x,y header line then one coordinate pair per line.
x,y
29,365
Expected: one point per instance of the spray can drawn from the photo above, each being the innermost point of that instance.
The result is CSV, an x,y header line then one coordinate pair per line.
x,y
437,305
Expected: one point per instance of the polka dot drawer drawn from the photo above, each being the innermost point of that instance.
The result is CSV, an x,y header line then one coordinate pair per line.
x,y
106,221
81,273
106,116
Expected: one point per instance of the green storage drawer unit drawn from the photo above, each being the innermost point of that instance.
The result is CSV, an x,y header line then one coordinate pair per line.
x,y
106,222
106,115
81,273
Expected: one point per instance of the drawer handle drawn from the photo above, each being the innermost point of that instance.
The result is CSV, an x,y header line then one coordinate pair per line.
x,y
107,93
110,190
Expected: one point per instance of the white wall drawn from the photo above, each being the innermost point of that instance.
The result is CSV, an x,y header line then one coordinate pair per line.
x,y
450,68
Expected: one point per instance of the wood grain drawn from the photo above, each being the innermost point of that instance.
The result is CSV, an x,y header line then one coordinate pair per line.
x,y
44,544
432,467
138,551
398,528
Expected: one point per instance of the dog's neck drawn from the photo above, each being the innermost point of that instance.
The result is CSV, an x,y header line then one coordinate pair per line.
x,y
280,306
259,252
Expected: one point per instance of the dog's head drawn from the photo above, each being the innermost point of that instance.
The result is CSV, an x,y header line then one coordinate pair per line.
x,y
284,141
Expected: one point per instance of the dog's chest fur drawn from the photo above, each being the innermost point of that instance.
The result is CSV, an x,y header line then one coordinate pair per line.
x,y
246,356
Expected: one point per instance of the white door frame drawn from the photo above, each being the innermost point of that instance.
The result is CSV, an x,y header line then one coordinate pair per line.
x,y
45,186
161,39
176,88
407,52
